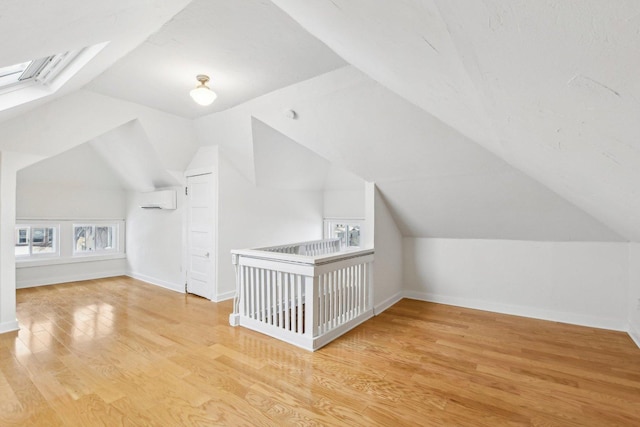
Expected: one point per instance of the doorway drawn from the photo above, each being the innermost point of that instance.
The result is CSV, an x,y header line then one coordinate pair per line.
x,y
201,257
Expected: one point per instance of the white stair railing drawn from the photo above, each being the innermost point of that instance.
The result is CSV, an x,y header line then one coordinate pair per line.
x,y
306,300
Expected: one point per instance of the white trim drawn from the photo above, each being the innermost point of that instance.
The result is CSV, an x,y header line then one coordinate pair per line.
x,y
54,220
9,327
55,280
382,306
176,287
518,310
224,296
27,263
634,334
198,171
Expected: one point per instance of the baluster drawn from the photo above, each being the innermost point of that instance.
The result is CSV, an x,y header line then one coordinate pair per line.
x,y
267,299
253,292
349,270
321,303
244,306
287,308
335,300
341,296
299,307
359,309
263,296
279,299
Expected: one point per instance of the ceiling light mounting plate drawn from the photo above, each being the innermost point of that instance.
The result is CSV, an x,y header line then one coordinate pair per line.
x,y
202,78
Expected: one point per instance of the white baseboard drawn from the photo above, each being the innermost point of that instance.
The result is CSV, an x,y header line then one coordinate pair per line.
x,y
379,308
517,310
634,334
176,287
54,280
224,296
9,327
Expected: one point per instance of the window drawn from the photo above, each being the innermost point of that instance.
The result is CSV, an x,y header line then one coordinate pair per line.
x,y
94,238
36,240
347,230
37,78
48,242
23,72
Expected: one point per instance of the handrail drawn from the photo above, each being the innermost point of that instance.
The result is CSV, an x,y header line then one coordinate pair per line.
x,y
308,242
301,259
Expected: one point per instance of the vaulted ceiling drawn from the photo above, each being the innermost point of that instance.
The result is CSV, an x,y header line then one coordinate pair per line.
x,y
540,99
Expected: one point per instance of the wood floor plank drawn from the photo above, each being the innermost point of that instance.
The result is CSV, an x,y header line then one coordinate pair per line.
x,y
120,352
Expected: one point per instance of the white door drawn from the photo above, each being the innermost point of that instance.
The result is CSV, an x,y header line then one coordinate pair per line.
x,y
200,244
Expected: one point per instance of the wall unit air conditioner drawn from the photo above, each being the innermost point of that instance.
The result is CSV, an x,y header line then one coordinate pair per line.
x,y
164,199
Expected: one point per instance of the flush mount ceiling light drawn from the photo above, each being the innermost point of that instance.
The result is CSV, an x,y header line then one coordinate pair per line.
x,y
202,94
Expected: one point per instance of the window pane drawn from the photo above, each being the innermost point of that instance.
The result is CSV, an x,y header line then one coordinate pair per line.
x,y
340,231
354,235
83,238
42,240
104,238
22,241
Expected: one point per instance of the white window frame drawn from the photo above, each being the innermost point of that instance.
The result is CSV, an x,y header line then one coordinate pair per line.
x,y
94,225
30,226
330,223
65,245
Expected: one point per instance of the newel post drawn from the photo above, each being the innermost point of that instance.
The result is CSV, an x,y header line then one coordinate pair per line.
x,y
234,318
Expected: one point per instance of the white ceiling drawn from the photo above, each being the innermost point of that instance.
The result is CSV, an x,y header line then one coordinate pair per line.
x,y
248,48
35,29
520,118
551,87
436,181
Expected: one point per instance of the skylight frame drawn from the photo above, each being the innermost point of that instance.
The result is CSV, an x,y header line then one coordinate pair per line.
x,y
23,72
47,76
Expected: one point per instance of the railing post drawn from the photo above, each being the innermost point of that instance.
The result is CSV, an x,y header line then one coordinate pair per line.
x,y
311,306
234,318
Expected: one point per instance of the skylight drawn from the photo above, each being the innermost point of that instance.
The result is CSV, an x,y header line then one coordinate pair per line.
x,y
23,72
12,74
30,80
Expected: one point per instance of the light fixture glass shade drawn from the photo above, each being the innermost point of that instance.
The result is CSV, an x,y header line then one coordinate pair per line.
x,y
203,95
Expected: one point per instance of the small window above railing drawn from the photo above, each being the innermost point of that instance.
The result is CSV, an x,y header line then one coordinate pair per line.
x,y
349,231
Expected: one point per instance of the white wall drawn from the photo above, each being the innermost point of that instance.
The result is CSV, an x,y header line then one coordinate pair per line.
x,y
387,266
343,204
574,282
74,185
31,276
8,168
634,292
251,216
155,243
43,201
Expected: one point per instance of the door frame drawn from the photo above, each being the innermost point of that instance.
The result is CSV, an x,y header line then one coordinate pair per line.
x,y
214,227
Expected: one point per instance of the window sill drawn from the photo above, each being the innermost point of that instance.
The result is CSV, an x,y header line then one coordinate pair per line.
x,y
26,263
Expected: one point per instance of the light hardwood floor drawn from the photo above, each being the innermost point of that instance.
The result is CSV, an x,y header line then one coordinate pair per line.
x,y
121,352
